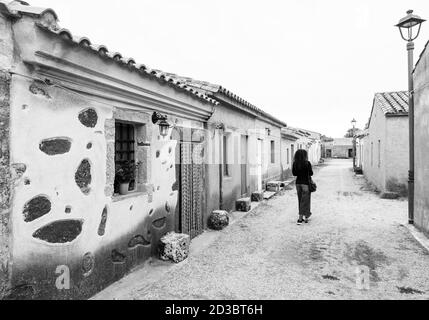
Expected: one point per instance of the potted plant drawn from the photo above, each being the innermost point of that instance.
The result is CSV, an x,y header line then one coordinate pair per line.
x,y
124,174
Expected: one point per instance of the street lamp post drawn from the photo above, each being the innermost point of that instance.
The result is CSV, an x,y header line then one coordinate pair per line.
x,y
406,25
354,144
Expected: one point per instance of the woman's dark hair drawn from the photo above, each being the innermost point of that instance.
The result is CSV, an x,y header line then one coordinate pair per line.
x,y
300,159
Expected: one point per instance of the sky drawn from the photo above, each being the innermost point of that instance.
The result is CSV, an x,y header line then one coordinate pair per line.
x,y
310,63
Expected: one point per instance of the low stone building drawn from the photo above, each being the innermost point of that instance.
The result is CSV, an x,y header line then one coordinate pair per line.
x,y
421,141
338,148
243,147
73,114
386,144
76,118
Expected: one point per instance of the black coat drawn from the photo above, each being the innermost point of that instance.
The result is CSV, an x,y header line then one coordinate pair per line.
x,y
302,174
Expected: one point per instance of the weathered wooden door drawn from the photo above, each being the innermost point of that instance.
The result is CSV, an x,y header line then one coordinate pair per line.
x,y
191,191
259,164
243,163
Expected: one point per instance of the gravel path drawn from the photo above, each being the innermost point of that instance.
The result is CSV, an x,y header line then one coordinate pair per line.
x,y
267,256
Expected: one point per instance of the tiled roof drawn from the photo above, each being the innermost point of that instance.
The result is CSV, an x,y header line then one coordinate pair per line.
x,y
392,102
288,131
18,8
211,89
201,89
303,132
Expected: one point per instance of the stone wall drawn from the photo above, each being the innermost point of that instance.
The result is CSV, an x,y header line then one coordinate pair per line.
x,y
421,136
397,155
375,168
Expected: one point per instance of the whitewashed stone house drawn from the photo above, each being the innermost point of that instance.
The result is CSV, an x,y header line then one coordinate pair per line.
x,y
243,147
72,112
386,145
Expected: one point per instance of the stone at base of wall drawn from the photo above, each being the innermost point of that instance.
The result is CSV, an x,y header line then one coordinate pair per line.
x,y
389,195
273,186
174,246
257,196
243,204
218,220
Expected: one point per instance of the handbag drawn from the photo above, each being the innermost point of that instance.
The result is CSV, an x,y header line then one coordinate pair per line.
x,y
311,184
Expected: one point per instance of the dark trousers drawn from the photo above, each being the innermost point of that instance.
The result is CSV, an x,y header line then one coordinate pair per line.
x,y
304,199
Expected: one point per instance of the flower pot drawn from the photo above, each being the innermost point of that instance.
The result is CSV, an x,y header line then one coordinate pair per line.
x,y
123,187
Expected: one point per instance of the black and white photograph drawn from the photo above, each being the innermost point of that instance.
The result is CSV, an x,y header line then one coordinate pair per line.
x,y
238,152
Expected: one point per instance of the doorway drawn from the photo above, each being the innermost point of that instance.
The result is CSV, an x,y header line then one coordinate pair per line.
x,y
189,183
191,191
243,162
259,164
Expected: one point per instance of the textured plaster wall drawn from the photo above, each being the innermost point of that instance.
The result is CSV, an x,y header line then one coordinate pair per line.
x,y
314,153
97,236
286,167
6,54
377,131
421,136
396,155
238,124
272,171
360,147
366,154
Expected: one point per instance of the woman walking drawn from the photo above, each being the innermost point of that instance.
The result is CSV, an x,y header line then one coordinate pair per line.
x,y
301,168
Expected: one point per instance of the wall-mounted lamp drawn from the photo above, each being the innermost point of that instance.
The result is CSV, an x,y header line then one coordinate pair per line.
x,y
161,120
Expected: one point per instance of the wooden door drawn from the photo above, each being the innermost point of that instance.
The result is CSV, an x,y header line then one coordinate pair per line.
x,y
243,162
191,191
259,164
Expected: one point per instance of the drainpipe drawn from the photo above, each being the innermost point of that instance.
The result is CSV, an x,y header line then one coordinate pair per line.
x,y
220,187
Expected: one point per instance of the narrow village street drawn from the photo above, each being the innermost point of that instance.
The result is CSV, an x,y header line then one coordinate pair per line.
x,y
266,255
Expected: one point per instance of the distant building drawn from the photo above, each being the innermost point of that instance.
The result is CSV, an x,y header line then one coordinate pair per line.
x,y
386,145
338,148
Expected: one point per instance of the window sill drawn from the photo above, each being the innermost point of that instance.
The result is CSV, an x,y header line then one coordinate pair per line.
x,y
119,197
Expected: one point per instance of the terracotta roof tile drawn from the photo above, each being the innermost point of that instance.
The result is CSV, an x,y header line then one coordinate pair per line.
x,y
18,8
22,7
211,88
392,102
